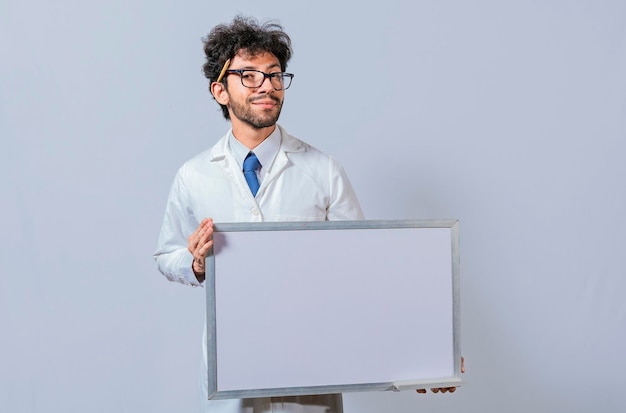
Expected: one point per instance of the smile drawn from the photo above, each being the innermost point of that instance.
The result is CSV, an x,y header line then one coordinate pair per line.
x,y
265,104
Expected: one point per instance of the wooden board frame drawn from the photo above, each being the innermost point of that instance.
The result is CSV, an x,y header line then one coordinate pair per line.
x,y
298,232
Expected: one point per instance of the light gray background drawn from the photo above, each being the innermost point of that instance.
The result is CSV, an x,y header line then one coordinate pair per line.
x,y
508,115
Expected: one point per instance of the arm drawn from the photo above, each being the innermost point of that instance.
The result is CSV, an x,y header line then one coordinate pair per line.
x,y
199,244
344,204
174,256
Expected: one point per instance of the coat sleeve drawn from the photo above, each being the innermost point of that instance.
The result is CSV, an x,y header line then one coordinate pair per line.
x,y
344,205
172,257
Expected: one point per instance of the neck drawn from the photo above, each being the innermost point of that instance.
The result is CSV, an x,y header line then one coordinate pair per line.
x,y
250,136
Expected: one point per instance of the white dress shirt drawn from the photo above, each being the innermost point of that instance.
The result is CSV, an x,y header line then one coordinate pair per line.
x,y
265,152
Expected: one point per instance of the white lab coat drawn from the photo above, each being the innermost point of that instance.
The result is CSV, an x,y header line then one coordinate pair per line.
x,y
302,184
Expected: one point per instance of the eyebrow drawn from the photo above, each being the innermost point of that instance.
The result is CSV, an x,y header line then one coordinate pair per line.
x,y
250,67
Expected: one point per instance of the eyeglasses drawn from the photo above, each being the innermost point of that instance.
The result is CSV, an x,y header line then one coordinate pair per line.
x,y
255,78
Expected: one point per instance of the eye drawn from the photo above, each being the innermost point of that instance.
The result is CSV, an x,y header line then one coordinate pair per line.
x,y
278,76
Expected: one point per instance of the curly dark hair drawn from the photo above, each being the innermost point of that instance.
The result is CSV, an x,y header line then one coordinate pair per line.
x,y
248,35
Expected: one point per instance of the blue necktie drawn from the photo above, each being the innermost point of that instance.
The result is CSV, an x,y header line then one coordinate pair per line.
x,y
250,165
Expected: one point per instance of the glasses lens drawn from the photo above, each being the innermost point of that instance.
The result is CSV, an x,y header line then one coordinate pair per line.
x,y
277,81
251,78
255,78
281,81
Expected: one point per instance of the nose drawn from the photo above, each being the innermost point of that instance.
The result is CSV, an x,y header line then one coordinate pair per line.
x,y
266,86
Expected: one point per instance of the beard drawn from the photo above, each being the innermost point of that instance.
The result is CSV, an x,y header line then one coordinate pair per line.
x,y
245,113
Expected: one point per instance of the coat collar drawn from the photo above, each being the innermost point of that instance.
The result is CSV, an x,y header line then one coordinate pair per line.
x,y
288,144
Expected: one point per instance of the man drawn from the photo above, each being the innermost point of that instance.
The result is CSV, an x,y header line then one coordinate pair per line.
x,y
256,172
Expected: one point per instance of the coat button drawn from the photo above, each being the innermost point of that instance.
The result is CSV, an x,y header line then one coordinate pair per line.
x,y
255,211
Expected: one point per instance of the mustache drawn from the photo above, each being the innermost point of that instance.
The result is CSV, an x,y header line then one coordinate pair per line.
x,y
264,96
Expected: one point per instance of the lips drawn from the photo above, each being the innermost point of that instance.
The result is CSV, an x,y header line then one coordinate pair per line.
x,y
265,101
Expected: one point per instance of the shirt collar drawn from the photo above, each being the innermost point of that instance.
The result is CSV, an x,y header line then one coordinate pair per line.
x,y
266,151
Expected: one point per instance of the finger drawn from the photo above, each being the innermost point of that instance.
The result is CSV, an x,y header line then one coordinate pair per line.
x,y
203,229
206,231
452,389
435,390
206,224
202,226
462,364
192,243
198,240
421,391
195,241
204,249
192,239
198,265
204,244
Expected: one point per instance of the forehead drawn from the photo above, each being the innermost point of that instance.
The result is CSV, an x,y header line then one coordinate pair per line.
x,y
260,60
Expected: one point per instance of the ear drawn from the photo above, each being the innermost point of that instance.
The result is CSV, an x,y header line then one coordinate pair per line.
x,y
219,92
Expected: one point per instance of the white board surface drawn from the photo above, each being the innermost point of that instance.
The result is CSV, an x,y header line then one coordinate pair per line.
x,y
333,307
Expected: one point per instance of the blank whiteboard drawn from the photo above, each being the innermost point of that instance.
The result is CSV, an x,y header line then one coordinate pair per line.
x,y
297,308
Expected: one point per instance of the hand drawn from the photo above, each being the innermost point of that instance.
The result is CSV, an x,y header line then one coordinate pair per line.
x,y
438,389
444,389
199,244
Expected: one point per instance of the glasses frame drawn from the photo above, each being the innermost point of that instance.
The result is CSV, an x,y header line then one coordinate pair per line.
x,y
269,76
